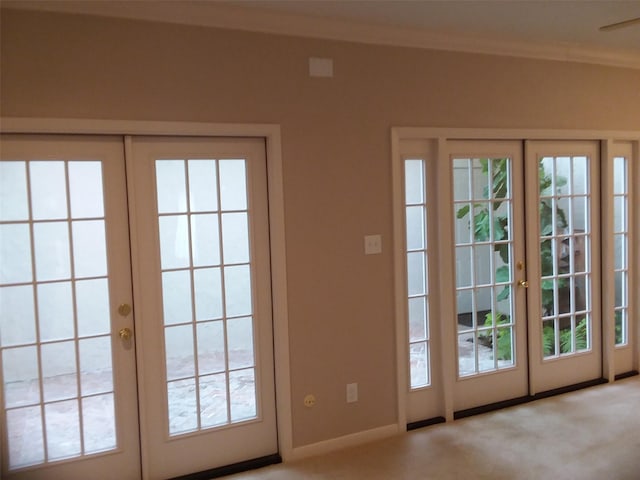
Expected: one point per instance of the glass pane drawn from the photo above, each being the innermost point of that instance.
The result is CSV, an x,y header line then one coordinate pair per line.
x,y
85,189
463,223
619,214
482,264
178,342
416,274
549,338
52,251
59,371
203,195
502,221
501,178
205,240
548,293
580,178
485,345
211,357
480,178
89,249
461,179
466,354
48,190
466,318
96,374
55,311
233,185
566,336
183,414
17,319
25,426
621,327
20,374
213,400
242,386
207,293
417,319
174,241
580,215
176,297
92,303
237,290
619,251
415,228
63,429
563,176
504,347
13,191
414,181
502,262
545,176
620,288
483,304
170,182
419,364
15,254
463,266
235,238
240,342
99,427
619,175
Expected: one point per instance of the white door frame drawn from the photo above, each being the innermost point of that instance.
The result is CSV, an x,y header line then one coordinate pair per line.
x,y
438,138
272,136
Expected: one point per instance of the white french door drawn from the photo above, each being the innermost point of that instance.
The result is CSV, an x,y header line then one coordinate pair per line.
x,y
69,406
563,227
518,312
206,343
200,354
490,299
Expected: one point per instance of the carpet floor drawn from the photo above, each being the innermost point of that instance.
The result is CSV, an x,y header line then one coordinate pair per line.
x,y
591,434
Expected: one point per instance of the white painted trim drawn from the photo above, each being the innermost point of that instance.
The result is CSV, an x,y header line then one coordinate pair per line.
x,y
402,368
271,133
236,17
406,133
345,441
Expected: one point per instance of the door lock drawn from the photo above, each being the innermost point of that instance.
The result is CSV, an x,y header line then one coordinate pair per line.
x,y
523,284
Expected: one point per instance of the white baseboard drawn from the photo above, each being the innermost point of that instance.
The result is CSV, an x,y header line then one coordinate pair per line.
x,y
345,441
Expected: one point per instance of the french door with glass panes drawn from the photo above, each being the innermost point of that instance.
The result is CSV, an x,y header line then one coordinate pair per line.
x,y
525,250
206,343
198,216
69,404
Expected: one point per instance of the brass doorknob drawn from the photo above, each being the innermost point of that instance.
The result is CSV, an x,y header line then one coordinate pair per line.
x,y
523,284
125,333
124,309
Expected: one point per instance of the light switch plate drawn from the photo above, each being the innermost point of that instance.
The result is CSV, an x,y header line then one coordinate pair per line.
x,y
372,244
352,392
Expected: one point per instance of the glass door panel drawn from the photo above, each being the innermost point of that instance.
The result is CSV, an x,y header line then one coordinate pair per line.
x,y
484,263
205,262
61,386
202,228
490,318
565,337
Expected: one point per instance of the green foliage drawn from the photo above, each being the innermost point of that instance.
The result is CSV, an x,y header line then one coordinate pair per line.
x,y
497,171
566,337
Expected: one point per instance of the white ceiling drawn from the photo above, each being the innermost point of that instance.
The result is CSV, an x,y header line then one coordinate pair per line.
x,y
557,29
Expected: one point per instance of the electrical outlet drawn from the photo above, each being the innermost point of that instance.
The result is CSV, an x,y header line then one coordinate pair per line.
x,y
352,392
309,401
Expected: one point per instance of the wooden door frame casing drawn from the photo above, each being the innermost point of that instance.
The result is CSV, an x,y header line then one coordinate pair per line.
x,y
272,135
439,138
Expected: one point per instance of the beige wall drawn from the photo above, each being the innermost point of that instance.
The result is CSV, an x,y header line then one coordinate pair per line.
x,y
336,151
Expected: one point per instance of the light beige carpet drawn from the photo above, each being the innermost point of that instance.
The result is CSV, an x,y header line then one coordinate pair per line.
x,y
591,434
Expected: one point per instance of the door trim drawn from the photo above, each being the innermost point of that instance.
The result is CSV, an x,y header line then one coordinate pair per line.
x,y
272,135
439,138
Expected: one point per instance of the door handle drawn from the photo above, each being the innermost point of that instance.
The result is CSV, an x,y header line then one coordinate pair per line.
x,y
523,284
125,333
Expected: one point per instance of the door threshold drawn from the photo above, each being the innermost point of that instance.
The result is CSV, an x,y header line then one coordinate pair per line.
x,y
530,398
233,468
425,423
